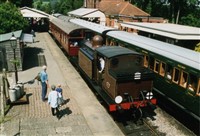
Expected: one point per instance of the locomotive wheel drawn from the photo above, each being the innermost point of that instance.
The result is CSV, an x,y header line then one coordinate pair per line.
x,y
136,114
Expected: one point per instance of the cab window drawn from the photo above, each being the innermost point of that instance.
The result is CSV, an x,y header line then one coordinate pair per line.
x,y
162,69
176,74
183,79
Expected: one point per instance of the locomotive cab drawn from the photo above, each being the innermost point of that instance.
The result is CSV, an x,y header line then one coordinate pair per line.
x,y
121,75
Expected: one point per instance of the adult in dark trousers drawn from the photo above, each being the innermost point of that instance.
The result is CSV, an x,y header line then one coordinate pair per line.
x,y
44,82
53,101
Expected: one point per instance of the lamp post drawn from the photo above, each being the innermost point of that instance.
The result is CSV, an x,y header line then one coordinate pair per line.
x,y
13,43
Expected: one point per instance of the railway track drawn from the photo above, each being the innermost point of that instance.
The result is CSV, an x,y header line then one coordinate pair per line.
x,y
135,128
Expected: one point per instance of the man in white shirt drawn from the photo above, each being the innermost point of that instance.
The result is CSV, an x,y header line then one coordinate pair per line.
x,y
53,101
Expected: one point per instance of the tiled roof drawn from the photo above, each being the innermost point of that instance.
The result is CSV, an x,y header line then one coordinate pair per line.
x,y
118,7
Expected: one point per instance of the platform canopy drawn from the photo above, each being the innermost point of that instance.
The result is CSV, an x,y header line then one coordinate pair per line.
x,y
33,13
174,31
89,13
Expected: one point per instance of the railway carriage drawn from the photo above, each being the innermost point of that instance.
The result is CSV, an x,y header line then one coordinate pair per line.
x,y
177,70
67,34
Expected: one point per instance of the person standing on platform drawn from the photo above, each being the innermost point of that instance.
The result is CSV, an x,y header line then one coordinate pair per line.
x,y
44,82
53,101
60,99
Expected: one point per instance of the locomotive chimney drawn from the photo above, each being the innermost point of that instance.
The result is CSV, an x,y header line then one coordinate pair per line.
x,y
97,41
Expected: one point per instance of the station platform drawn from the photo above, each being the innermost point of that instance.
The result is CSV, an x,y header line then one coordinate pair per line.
x,y
82,114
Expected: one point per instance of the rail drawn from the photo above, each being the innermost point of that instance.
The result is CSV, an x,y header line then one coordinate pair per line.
x,y
153,131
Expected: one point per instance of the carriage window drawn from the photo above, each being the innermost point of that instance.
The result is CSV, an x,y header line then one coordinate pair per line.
x,y
112,43
198,88
184,79
192,83
162,68
151,63
175,75
156,66
169,72
146,60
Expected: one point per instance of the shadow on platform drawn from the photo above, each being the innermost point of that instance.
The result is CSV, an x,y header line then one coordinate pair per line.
x,y
33,57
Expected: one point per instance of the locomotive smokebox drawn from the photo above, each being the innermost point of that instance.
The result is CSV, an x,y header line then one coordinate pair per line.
x,y
97,41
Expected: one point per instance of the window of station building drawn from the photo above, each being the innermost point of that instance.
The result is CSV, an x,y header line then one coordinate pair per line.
x,y
183,79
146,60
162,69
156,66
176,73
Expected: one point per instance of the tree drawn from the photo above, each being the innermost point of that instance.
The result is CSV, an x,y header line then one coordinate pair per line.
x,y
64,6
197,48
185,12
11,18
19,3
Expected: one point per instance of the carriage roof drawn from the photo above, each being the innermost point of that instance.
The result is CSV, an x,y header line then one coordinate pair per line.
x,y
92,26
170,51
113,51
63,23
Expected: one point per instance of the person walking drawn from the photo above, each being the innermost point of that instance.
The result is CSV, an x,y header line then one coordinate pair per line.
x,y
44,82
53,101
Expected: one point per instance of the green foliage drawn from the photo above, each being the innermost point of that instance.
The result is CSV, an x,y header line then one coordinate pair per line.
x,y
43,6
11,18
149,7
185,12
15,61
19,3
190,20
60,6
197,48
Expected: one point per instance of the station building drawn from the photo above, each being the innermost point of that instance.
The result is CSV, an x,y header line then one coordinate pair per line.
x,y
117,11
7,53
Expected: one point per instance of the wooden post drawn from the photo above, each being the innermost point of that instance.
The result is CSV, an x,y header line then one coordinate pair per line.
x,y
5,84
2,97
